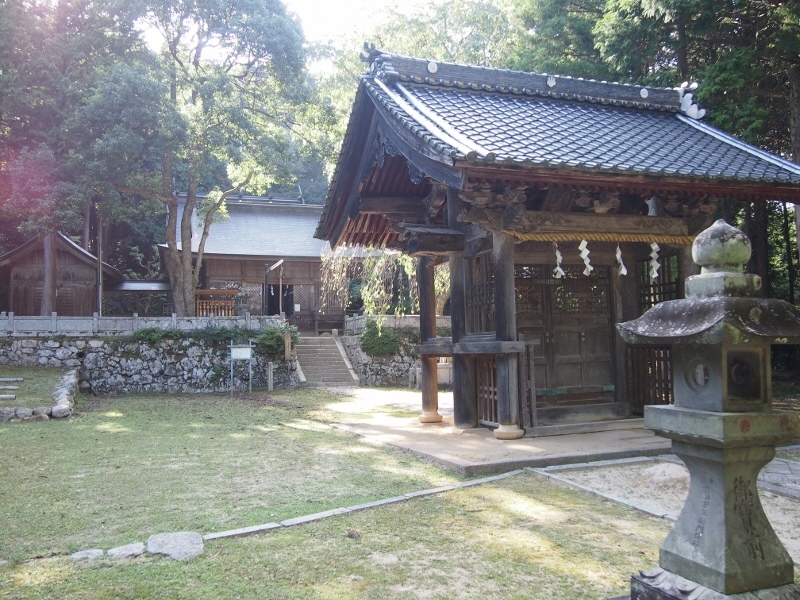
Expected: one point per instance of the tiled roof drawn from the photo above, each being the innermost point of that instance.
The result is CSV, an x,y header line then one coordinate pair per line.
x,y
277,229
496,116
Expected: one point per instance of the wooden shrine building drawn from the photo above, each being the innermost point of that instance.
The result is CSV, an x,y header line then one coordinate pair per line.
x,y
268,242
22,278
563,205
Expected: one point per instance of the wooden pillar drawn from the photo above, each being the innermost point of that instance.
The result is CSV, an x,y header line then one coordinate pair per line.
x,y
625,308
505,317
427,330
50,273
465,397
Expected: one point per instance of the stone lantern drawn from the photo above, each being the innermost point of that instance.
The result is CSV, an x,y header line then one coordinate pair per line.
x,y
722,426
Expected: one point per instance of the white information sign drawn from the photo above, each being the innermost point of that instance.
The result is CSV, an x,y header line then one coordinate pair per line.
x,y
241,352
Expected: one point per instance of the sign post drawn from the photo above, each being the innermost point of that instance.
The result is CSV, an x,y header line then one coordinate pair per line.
x,y
242,352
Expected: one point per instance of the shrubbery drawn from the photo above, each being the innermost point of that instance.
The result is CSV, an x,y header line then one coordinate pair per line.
x,y
381,341
377,341
268,340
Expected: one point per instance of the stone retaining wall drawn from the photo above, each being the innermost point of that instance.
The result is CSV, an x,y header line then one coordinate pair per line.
x,y
384,370
113,365
63,396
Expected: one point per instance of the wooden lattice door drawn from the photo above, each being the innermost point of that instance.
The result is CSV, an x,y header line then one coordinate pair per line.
x,y
570,318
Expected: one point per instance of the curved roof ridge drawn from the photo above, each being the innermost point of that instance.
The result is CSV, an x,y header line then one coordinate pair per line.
x,y
392,68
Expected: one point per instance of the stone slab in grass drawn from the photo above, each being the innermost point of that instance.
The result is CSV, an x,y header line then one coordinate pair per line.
x,y
128,551
242,531
87,554
182,545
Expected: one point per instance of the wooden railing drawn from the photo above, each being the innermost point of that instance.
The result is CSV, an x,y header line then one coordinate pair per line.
x,y
219,303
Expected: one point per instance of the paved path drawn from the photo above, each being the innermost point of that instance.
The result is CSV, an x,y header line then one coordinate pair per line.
x,y
476,451
782,477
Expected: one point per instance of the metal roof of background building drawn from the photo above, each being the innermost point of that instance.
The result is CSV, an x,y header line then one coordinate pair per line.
x,y
259,226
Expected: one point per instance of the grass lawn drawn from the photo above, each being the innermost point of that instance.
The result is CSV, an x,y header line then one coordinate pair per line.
x,y
125,468
37,388
522,537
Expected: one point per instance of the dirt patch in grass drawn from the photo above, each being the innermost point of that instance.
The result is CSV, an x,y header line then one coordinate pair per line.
x,y
36,389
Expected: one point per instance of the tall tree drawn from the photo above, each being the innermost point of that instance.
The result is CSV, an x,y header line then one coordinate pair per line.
x,y
50,53
559,38
468,31
233,73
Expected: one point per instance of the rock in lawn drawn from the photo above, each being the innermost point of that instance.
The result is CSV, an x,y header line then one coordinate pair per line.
x,y
128,551
87,554
61,410
3,563
182,545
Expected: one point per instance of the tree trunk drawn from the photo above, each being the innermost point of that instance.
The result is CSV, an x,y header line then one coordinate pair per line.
x,y
87,227
794,127
188,275
50,273
101,244
761,246
787,240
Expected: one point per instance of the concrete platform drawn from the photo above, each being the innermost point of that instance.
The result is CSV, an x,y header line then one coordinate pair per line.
x,y
476,451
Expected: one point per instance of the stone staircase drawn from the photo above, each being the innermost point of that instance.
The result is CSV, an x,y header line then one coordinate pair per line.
x,y
322,363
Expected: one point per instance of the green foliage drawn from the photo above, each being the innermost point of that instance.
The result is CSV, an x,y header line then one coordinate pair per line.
x,y
154,335
381,341
468,31
270,340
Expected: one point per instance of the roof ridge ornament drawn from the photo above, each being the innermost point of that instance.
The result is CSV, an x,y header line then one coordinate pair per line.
x,y
688,106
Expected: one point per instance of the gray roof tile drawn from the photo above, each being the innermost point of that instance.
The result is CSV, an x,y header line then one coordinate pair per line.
x,y
586,135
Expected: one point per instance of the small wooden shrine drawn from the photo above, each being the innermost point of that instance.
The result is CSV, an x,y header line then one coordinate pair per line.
x,y
22,278
564,206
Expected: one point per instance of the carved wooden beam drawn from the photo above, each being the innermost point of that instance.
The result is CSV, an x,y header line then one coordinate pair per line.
x,y
549,222
485,195
559,199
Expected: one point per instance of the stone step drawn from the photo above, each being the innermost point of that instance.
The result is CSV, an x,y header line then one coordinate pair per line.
x,y
316,368
314,376
11,379
322,362
8,397
9,387
313,349
315,346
